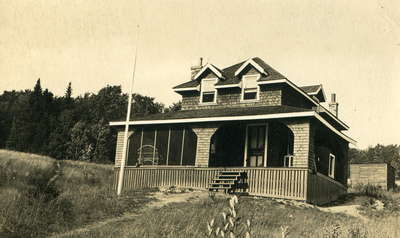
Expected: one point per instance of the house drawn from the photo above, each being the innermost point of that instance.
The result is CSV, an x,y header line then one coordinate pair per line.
x,y
378,174
243,128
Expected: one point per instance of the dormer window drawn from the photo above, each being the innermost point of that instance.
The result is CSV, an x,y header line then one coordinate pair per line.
x,y
208,91
250,89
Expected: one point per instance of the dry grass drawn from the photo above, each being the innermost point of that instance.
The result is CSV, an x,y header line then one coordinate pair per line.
x,y
267,216
38,197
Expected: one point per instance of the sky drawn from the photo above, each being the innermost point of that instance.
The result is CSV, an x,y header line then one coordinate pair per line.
x,y
351,47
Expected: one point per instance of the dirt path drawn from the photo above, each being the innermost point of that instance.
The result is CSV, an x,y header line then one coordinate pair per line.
x,y
161,199
351,210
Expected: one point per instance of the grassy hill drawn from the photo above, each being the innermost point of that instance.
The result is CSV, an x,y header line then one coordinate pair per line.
x,y
39,195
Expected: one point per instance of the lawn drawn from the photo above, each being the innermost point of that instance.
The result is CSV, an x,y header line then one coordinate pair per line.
x,y
40,196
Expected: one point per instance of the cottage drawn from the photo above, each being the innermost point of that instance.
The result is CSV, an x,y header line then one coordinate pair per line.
x,y
245,128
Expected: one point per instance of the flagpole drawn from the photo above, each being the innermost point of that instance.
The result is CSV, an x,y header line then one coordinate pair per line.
x,y
128,115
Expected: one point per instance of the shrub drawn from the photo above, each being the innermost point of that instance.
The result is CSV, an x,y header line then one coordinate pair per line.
x,y
370,190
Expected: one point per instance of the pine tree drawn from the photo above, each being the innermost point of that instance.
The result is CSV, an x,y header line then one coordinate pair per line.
x,y
68,100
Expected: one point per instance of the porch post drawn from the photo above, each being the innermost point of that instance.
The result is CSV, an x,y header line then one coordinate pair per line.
x,y
303,138
204,134
119,149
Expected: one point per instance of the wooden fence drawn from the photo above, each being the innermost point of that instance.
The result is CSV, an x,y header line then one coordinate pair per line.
x,y
270,182
323,189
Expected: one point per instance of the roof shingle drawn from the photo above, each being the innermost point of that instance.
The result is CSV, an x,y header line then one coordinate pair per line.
x,y
222,112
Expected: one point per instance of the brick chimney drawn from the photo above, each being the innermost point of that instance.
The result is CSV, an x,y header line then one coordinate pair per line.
x,y
333,105
195,69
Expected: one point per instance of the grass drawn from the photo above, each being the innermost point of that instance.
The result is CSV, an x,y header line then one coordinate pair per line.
x,y
190,220
39,195
267,218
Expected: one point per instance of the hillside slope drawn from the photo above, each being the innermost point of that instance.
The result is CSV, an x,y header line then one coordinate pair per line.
x,y
39,195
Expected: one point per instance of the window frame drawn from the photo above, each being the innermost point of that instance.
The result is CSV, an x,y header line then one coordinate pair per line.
x,y
331,165
257,90
202,92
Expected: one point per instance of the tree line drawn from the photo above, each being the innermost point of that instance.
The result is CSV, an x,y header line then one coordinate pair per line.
x,y
66,127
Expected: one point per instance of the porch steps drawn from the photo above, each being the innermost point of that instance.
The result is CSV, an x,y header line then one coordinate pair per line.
x,y
228,181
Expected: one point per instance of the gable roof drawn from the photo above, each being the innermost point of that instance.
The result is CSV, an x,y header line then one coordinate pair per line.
x,y
252,63
213,69
315,90
311,89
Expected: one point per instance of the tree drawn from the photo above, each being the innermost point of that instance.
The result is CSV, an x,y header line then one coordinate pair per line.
x,y
60,136
145,105
68,100
176,106
12,140
79,147
101,140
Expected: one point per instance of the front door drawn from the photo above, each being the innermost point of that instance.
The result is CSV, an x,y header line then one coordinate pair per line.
x,y
256,145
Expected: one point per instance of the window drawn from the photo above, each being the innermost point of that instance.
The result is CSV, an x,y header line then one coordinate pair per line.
x,y
208,91
331,171
250,88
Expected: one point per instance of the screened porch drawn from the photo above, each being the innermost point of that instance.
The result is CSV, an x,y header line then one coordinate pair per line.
x,y
264,144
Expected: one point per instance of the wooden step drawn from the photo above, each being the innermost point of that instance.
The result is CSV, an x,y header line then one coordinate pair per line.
x,y
227,181
219,187
228,176
223,179
237,173
224,183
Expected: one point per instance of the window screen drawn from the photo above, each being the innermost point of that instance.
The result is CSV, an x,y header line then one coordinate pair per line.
x,y
189,147
133,147
175,146
161,146
147,150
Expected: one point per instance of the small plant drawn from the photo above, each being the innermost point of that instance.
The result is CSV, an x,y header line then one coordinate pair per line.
x,y
284,231
231,225
370,190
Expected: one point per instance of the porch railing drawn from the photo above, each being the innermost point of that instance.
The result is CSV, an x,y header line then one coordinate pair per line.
x,y
288,183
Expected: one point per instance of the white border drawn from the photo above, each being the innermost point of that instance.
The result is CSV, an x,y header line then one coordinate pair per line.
x,y
197,88
229,86
208,119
